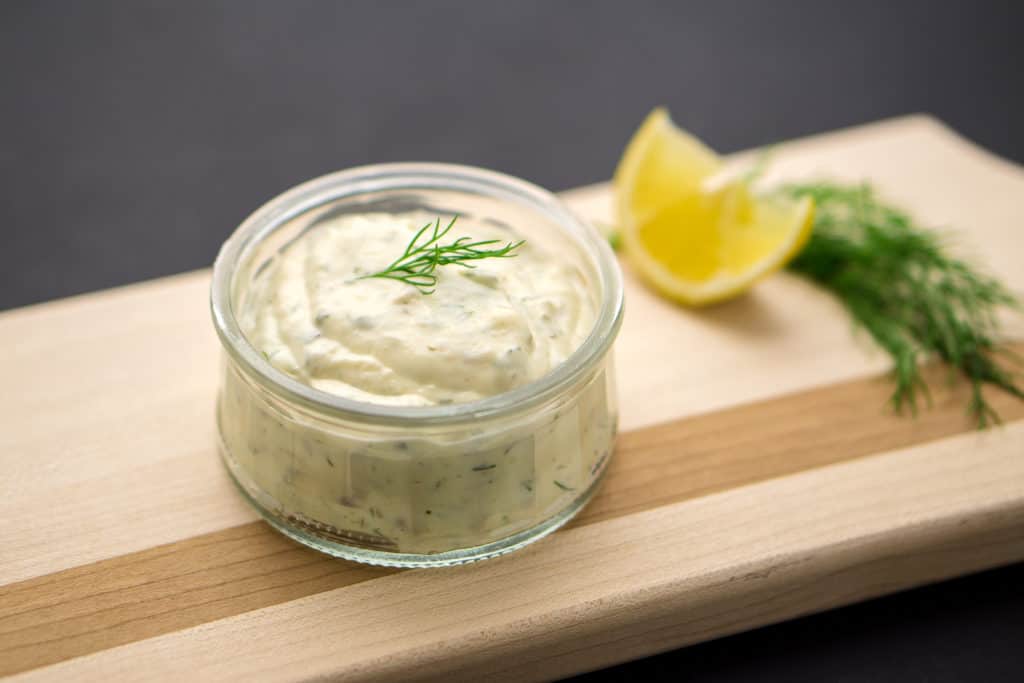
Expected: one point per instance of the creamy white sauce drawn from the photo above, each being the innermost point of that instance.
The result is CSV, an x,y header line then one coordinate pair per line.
x,y
483,331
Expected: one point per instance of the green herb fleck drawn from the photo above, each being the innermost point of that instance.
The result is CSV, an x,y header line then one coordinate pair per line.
x,y
563,486
483,468
615,240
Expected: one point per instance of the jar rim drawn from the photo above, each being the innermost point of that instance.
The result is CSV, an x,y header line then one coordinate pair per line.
x,y
415,175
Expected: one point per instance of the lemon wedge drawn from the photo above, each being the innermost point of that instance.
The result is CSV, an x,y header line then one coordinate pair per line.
x,y
694,237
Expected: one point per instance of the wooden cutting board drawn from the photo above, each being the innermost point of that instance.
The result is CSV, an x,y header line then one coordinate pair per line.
x,y
758,478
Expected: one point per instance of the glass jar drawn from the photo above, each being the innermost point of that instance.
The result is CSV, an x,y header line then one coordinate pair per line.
x,y
416,486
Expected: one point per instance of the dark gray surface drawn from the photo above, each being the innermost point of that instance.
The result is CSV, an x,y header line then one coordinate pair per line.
x,y
136,136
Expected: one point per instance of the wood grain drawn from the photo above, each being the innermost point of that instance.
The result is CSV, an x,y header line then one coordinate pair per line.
x,y
209,577
110,461
758,477
156,591
628,586
705,454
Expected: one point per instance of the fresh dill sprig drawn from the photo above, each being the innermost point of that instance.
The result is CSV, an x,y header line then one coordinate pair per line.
x,y
417,264
898,282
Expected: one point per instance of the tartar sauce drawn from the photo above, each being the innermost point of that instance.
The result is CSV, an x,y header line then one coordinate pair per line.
x,y
484,330
314,315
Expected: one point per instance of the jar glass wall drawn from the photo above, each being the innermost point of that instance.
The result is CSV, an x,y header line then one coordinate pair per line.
x,y
416,486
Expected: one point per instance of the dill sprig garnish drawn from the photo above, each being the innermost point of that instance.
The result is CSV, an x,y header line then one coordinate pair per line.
x,y
897,281
417,264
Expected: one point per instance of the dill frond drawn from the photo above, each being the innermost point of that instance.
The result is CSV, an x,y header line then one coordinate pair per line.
x,y
418,262
899,283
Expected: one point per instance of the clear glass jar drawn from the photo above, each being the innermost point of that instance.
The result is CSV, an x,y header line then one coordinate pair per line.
x,y
416,486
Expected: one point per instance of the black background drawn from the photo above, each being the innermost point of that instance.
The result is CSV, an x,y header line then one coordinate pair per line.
x,y
136,136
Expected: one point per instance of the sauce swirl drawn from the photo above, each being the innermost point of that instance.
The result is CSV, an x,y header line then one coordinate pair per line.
x,y
484,330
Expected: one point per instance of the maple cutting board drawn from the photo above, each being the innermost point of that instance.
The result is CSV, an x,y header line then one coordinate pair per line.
x,y
758,477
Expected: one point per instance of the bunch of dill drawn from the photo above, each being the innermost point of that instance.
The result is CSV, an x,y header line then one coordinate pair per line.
x,y
899,283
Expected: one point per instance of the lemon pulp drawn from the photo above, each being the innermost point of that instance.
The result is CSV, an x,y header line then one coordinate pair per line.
x,y
694,240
